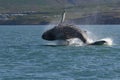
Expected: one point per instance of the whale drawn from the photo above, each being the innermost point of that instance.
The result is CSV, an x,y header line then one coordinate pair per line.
x,y
64,32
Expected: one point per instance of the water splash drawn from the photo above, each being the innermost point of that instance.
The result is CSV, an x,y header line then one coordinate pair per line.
x,y
109,41
75,42
93,38
78,42
68,42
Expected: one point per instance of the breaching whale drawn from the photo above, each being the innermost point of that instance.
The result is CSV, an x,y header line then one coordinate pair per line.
x,y
65,32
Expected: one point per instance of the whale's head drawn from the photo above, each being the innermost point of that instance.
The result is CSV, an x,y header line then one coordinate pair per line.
x,y
49,35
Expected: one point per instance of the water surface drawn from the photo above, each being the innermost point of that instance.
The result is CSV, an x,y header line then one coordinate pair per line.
x,y
24,56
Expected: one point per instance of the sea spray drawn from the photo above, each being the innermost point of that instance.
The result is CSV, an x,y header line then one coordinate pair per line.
x,y
75,42
68,42
93,38
109,41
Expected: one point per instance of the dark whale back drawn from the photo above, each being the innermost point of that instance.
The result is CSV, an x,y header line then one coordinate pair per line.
x,y
63,32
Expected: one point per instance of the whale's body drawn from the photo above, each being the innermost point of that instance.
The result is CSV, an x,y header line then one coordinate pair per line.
x,y
64,32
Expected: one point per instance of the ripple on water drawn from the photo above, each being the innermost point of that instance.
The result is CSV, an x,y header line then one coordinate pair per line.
x,y
23,57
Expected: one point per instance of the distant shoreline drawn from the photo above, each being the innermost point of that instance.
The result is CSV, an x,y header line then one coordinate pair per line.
x,y
103,18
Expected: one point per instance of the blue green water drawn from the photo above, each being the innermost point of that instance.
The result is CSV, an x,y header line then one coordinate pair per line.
x,y
23,56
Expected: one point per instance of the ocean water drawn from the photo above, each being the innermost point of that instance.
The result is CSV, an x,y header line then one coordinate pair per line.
x,y
25,56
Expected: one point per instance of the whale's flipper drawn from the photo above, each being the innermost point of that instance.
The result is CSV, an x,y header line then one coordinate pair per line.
x,y
102,42
63,17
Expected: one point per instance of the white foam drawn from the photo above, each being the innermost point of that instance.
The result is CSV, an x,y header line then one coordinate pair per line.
x,y
78,42
109,41
75,42
92,38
